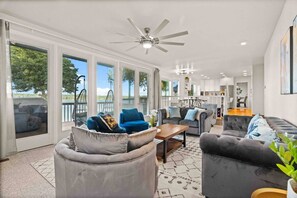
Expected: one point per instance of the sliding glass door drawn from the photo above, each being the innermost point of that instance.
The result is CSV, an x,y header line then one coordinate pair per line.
x,y
74,92
143,92
29,85
105,88
128,81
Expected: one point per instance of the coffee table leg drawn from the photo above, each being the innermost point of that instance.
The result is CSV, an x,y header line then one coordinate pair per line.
x,y
184,143
165,151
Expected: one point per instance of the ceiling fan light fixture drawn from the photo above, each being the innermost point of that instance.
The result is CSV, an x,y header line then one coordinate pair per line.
x,y
147,44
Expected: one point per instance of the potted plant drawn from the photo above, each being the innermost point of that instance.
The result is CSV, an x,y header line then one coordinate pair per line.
x,y
153,117
289,158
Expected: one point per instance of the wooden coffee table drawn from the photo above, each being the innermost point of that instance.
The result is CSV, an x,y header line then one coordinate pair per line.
x,y
169,144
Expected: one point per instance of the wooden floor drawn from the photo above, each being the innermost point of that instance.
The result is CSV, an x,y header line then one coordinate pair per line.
x,y
240,111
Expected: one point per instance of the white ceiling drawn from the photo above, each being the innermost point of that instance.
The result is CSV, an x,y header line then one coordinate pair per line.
x,y
216,28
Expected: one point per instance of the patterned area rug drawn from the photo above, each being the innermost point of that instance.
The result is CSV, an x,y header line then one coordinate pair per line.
x,y
180,177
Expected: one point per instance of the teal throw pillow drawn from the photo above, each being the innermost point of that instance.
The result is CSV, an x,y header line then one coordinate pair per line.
x,y
252,124
191,114
131,115
174,112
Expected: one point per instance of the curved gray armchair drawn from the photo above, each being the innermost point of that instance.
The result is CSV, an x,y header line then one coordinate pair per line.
x,y
132,174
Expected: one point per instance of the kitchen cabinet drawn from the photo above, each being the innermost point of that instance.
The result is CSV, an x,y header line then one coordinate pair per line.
x,y
210,85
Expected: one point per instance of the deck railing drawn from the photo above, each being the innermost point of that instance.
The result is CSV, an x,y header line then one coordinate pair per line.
x,y
108,107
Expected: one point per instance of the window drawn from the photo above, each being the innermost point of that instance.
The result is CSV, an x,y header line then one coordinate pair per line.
x,y
29,67
105,88
128,80
74,92
143,92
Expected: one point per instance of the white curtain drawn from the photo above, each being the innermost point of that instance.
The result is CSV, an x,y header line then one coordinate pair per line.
x,y
7,127
157,90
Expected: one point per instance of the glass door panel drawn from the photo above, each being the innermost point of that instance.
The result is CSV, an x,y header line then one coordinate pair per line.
x,y
128,80
143,92
105,88
29,67
74,92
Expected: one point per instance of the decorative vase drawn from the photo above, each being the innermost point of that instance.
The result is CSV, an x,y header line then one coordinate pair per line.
x,y
290,189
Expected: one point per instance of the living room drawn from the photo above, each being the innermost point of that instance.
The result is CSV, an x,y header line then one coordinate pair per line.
x,y
193,70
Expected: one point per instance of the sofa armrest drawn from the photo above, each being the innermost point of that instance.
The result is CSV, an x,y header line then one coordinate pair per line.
x,y
204,125
238,123
246,150
161,116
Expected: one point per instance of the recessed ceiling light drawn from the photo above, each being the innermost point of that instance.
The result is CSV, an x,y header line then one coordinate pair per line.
x,y
222,73
244,71
243,43
202,75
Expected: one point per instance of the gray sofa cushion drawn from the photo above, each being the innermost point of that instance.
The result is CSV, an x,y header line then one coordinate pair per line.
x,y
189,123
137,140
234,133
99,143
171,120
238,123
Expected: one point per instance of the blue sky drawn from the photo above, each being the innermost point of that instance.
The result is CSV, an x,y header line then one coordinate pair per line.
x,y
101,77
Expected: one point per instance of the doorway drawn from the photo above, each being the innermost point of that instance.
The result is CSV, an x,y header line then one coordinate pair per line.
x,y
242,95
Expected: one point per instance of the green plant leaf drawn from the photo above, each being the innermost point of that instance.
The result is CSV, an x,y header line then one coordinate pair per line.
x,y
290,145
294,175
273,147
281,150
284,169
287,156
283,138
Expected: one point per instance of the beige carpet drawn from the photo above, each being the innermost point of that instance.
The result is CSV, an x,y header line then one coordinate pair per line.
x,y
179,177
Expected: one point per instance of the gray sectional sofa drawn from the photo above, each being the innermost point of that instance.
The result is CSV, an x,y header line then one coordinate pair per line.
x,y
196,127
235,166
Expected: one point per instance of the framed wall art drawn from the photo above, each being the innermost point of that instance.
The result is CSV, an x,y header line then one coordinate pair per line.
x,y
286,61
294,72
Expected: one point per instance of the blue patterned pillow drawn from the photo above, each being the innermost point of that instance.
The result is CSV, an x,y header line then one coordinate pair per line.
x,y
191,114
174,112
262,133
252,124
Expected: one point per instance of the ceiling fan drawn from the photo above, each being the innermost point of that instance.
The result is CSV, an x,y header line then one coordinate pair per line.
x,y
148,39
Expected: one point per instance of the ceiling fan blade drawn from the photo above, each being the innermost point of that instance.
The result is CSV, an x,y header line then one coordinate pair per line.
x,y
124,42
146,51
161,48
126,35
137,28
131,48
160,27
171,43
173,35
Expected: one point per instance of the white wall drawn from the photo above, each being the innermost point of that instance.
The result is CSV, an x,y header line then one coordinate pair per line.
x,y
258,89
275,104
